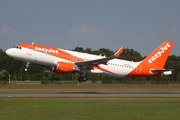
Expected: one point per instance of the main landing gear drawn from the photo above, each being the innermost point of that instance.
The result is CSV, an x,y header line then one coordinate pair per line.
x,y
82,79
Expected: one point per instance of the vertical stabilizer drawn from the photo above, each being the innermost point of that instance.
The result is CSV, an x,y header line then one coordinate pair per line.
x,y
158,57
153,64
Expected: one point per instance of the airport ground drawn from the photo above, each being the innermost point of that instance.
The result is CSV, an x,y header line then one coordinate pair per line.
x,y
87,87
87,107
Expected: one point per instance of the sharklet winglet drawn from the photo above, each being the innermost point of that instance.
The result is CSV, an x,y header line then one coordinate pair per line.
x,y
119,51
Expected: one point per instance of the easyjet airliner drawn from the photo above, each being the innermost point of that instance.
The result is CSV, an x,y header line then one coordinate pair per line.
x,y
67,61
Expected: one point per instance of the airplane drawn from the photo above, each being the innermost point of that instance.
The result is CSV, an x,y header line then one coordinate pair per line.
x,y
66,61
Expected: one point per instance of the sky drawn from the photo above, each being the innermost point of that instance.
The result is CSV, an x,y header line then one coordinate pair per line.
x,y
141,25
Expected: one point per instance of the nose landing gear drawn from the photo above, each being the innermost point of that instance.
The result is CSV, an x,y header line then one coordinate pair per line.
x,y
27,65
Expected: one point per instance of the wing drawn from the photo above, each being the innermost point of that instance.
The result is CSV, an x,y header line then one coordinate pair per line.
x,y
90,64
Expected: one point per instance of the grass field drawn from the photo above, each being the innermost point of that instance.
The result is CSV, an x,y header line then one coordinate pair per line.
x,y
90,108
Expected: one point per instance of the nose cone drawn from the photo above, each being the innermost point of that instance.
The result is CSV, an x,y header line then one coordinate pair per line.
x,y
9,52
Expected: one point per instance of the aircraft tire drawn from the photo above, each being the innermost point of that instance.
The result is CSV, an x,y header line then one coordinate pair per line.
x,y
84,78
80,79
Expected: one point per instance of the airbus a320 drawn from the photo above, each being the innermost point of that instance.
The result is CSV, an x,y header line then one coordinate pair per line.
x,y
67,61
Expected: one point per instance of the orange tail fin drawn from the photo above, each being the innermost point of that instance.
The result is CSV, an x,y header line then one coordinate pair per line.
x,y
153,64
158,57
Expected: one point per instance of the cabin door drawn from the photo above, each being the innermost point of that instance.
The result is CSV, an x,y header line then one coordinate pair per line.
x,y
29,50
138,69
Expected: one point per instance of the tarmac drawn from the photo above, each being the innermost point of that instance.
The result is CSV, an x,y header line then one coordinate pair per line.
x,y
148,94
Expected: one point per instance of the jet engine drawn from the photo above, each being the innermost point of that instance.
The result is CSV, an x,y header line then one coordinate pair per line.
x,y
63,67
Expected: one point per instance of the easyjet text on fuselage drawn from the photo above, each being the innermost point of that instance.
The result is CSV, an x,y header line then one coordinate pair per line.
x,y
46,50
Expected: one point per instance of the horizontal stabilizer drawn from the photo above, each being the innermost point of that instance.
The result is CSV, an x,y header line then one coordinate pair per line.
x,y
163,72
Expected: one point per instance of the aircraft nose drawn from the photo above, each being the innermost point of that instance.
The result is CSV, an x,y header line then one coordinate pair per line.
x,y
9,52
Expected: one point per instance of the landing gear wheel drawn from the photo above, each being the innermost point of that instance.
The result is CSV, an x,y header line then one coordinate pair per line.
x,y
80,79
84,78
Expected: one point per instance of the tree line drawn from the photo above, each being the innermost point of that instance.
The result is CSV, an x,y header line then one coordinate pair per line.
x,y
14,69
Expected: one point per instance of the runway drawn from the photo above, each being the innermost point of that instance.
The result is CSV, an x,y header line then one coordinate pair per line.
x,y
162,94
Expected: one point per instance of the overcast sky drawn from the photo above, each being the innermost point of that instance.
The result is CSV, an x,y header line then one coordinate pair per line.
x,y
138,24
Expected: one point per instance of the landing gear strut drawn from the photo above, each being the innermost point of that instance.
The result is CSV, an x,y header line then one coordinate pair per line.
x,y
27,65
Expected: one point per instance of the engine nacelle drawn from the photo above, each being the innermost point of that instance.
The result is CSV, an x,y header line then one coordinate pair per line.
x,y
63,68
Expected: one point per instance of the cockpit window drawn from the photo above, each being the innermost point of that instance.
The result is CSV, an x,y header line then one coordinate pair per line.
x,y
17,47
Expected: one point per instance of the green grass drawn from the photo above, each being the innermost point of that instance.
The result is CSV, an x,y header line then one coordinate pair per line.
x,y
89,108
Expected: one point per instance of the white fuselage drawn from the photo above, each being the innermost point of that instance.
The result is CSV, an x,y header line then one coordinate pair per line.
x,y
115,67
